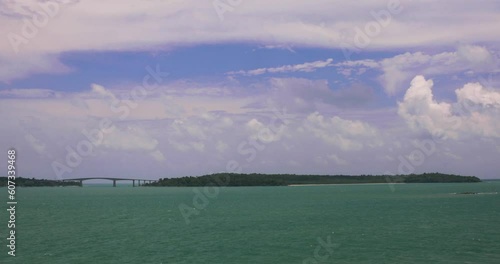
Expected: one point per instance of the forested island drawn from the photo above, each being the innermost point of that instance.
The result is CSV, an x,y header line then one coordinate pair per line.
x,y
233,179
26,182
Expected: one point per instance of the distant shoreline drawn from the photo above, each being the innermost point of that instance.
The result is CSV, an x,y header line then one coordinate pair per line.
x,y
255,179
321,184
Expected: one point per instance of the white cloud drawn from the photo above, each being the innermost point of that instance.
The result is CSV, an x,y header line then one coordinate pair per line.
x,y
306,95
420,109
29,93
337,160
130,138
94,25
101,91
37,145
221,146
157,155
478,56
399,69
14,67
186,146
368,63
476,112
477,94
264,133
304,67
345,134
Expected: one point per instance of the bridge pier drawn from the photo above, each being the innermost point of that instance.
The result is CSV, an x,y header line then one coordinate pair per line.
x,y
81,183
114,183
133,183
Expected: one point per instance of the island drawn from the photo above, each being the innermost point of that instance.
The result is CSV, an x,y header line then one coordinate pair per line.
x,y
26,182
254,179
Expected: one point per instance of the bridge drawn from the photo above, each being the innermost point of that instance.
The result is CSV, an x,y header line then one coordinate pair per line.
x,y
111,179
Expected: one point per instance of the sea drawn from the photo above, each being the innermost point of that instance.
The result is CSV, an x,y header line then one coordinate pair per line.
x,y
366,223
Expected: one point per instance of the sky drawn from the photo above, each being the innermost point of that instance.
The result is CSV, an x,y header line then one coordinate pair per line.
x,y
169,88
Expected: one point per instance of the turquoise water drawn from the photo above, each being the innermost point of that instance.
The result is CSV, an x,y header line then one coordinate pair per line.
x,y
417,223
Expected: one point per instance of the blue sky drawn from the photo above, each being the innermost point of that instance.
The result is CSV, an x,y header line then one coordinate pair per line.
x,y
253,86
194,63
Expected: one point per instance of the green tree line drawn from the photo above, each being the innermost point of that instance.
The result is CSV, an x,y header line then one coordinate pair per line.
x,y
26,182
254,179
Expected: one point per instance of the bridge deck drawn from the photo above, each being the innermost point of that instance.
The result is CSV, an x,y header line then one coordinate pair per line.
x,y
105,178
110,179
